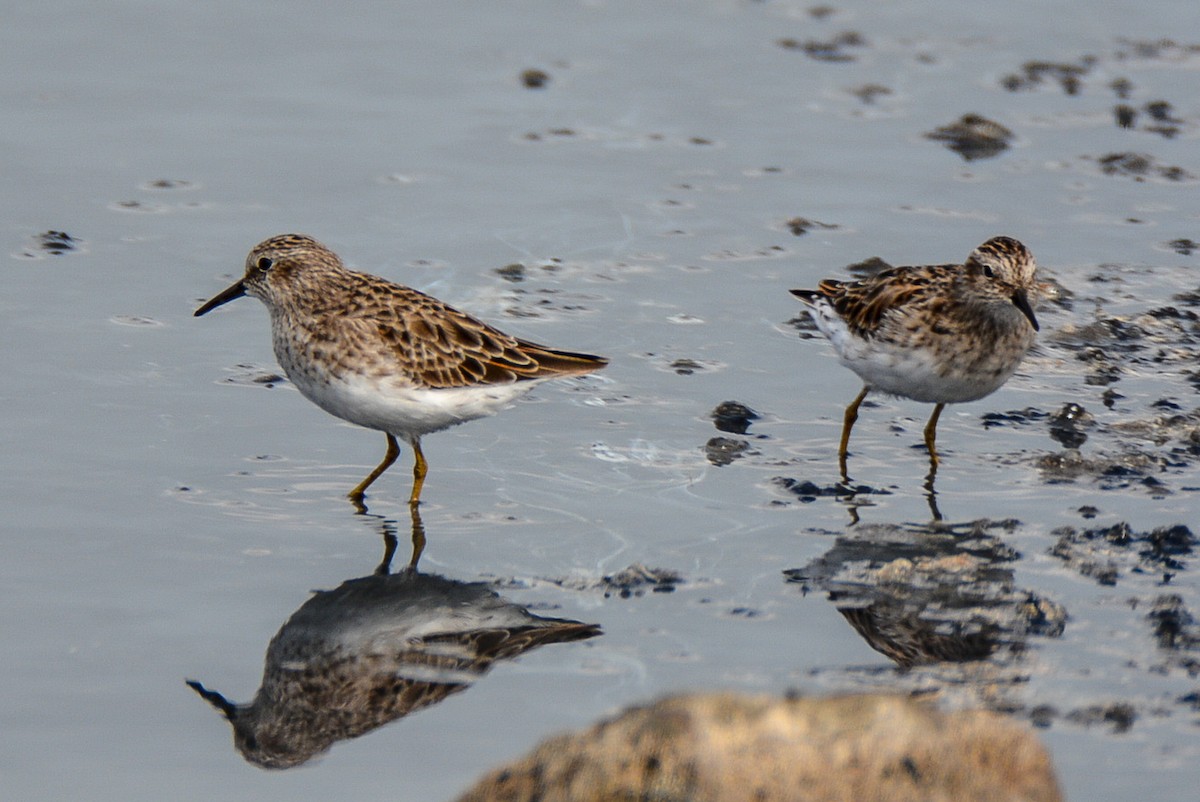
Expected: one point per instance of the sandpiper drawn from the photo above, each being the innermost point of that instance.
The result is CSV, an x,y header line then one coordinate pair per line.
x,y
942,334
383,355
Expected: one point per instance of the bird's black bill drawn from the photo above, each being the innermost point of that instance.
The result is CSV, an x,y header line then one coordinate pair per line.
x,y
1020,300
227,708
231,294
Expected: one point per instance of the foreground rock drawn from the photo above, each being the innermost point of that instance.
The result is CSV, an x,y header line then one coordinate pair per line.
x,y
713,748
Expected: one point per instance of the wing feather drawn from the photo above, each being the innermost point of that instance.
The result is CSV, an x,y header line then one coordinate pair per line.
x,y
437,346
868,304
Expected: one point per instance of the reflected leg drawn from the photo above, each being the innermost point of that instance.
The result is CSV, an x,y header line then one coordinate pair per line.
x,y
418,537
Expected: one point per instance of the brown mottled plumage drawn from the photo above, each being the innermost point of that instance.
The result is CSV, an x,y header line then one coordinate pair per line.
x,y
383,355
941,334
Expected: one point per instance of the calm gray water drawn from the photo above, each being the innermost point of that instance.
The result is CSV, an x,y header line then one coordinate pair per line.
x,y
164,513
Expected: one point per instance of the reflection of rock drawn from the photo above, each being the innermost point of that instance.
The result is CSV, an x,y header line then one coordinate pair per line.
x,y
720,748
722,451
924,596
373,650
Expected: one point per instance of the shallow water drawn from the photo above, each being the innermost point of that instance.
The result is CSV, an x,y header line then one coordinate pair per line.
x,y
165,512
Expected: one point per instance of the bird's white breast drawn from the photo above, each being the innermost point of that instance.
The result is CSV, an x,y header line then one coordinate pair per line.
x,y
926,373
391,406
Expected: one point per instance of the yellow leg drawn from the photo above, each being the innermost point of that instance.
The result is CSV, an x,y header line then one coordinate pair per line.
x,y
420,468
931,434
848,421
847,424
393,451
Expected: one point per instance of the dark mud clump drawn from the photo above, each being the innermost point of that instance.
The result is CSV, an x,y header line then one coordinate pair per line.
x,y
1160,114
514,272
635,580
168,183
246,375
1034,74
1102,553
1067,426
1184,246
1125,116
869,93
1019,417
1140,167
686,367
1119,715
733,417
1155,50
799,226
1174,626
50,243
973,137
1123,471
807,491
535,78
830,50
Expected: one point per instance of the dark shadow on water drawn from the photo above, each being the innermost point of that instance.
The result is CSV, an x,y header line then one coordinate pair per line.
x,y
375,649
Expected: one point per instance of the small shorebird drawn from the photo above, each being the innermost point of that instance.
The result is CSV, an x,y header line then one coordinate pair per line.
x,y
383,355
941,334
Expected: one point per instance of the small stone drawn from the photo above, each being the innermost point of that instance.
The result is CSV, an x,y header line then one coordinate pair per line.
x,y
535,78
733,417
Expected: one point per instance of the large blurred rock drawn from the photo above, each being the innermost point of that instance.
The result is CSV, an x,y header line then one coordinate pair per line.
x,y
726,747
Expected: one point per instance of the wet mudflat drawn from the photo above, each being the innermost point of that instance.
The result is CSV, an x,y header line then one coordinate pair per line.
x,y
646,182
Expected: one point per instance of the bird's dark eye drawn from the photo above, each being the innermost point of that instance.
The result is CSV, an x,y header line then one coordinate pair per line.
x,y
987,270
265,263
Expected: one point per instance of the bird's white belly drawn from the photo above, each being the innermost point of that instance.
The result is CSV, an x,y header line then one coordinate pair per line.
x,y
414,411
916,374
920,373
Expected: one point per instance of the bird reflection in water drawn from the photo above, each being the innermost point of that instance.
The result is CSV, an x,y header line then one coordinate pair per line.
x,y
944,593
375,649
